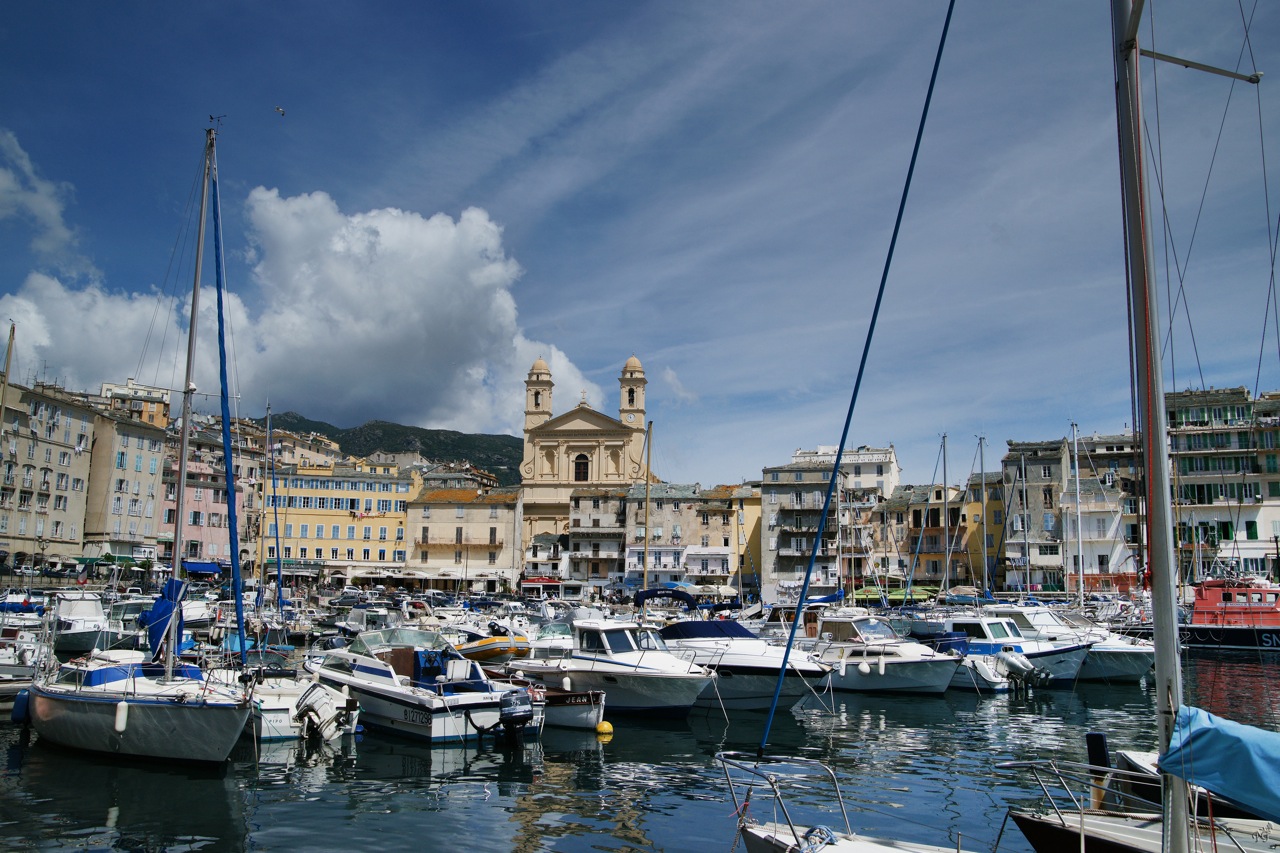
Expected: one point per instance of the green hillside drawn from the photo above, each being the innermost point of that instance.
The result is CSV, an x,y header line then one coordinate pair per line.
x,y
497,454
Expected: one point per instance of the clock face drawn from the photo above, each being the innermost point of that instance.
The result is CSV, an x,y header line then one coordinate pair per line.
x,y
631,417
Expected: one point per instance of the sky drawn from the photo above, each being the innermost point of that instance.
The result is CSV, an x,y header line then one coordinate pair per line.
x,y
419,199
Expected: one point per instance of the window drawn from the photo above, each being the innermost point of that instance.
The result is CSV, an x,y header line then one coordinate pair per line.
x,y
457,535
1046,471
493,536
351,532
382,533
581,468
368,532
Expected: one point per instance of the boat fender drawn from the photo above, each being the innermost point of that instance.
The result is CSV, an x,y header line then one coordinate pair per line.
x,y
122,716
21,712
864,668
881,665
566,683
840,667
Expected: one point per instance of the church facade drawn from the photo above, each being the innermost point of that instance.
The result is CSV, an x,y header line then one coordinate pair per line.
x,y
579,449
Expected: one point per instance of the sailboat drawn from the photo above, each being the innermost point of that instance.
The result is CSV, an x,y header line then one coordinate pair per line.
x,y
1231,760
127,702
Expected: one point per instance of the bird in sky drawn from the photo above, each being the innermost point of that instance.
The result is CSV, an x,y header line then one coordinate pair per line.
x,y
280,110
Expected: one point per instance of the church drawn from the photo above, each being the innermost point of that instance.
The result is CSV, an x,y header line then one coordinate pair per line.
x,y
580,449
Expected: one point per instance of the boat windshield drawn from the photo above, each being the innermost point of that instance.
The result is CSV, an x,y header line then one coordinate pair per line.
x,y
555,629
619,640
366,642
1009,625
874,629
650,640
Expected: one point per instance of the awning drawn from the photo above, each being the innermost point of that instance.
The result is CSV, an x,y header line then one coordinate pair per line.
x,y
201,567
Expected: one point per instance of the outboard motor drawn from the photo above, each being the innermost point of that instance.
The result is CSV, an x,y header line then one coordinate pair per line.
x,y
515,710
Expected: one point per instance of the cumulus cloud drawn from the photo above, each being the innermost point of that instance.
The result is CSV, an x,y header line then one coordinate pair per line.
x,y
394,315
385,314
39,203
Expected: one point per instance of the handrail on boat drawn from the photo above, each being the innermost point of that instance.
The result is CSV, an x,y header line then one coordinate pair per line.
x,y
750,765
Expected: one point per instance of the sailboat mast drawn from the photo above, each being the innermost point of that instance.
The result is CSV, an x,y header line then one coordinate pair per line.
x,y
1149,388
4,388
982,485
648,458
1075,461
188,388
946,521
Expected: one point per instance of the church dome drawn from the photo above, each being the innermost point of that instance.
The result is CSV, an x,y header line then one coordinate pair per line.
x,y
540,366
633,363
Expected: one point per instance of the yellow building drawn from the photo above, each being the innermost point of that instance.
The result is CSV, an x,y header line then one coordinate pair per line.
x,y
342,522
579,449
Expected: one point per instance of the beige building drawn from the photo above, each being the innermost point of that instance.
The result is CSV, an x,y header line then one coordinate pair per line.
x,y
45,436
579,449
121,512
465,540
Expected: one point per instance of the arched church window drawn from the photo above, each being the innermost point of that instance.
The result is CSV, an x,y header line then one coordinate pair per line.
x,y
580,468
537,399
631,396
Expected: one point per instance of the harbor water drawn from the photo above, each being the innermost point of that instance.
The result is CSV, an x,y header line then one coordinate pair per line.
x,y
918,768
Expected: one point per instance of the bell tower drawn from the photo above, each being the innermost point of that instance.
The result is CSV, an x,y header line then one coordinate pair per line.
x,y
537,395
631,405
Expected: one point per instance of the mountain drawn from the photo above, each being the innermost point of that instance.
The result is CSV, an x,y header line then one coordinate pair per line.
x,y
498,454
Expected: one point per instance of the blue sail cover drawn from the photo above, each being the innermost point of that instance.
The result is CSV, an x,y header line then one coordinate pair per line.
x,y
156,620
1237,762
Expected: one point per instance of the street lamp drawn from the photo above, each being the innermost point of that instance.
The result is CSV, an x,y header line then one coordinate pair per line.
x,y
43,545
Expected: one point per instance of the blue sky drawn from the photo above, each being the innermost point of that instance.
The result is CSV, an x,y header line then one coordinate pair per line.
x,y
455,189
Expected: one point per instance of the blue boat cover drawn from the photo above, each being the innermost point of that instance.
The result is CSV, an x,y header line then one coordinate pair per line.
x,y
711,629
836,596
674,594
1237,762
201,567
156,620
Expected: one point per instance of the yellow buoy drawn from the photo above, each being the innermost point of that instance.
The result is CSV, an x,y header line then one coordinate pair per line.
x,y
604,727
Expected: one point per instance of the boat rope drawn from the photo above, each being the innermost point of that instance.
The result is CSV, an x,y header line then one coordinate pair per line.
x,y
857,385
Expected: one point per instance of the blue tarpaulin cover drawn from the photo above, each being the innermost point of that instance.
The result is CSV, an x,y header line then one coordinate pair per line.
x,y
1237,762
156,620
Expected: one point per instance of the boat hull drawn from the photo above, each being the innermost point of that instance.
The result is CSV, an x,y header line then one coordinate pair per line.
x,y
908,676
1242,637
423,716
164,728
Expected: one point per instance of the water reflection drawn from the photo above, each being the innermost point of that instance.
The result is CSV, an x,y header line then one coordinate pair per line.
x,y
54,794
919,768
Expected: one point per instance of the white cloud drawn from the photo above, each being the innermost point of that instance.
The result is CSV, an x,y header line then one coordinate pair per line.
x,y
385,314
677,389
39,203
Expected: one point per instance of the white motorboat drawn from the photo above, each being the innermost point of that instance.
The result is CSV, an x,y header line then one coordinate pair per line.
x,y
79,621
632,665
867,656
413,682
746,666
287,704
1112,657
1055,665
